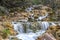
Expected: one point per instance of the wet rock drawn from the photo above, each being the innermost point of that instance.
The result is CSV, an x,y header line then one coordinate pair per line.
x,y
9,26
1,27
4,10
55,31
14,38
46,36
58,34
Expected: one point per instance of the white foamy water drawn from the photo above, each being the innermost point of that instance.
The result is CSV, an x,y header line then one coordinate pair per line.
x,y
18,27
42,17
31,35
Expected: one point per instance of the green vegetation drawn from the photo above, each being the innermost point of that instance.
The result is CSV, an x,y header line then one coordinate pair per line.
x,y
8,6
5,33
36,2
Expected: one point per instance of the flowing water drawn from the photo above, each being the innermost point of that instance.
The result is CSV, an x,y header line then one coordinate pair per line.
x,y
30,30
26,30
42,17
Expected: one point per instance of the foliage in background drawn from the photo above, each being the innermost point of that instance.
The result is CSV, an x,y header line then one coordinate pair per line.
x,y
36,2
26,3
7,6
3,11
14,4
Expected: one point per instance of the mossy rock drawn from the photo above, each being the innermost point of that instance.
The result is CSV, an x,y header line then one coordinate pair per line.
x,y
3,11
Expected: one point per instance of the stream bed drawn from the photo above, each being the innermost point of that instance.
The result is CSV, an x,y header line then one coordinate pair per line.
x,y
29,30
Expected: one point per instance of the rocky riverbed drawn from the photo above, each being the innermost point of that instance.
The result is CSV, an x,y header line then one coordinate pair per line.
x,y
7,28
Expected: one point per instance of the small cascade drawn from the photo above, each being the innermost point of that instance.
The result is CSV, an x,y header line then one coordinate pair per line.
x,y
44,25
29,34
18,27
42,17
29,30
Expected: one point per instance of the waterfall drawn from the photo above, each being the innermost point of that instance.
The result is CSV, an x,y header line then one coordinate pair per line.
x,y
18,27
42,17
44,25
29,35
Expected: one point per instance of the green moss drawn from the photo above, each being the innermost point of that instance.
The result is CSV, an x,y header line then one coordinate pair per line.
x,y
5,33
